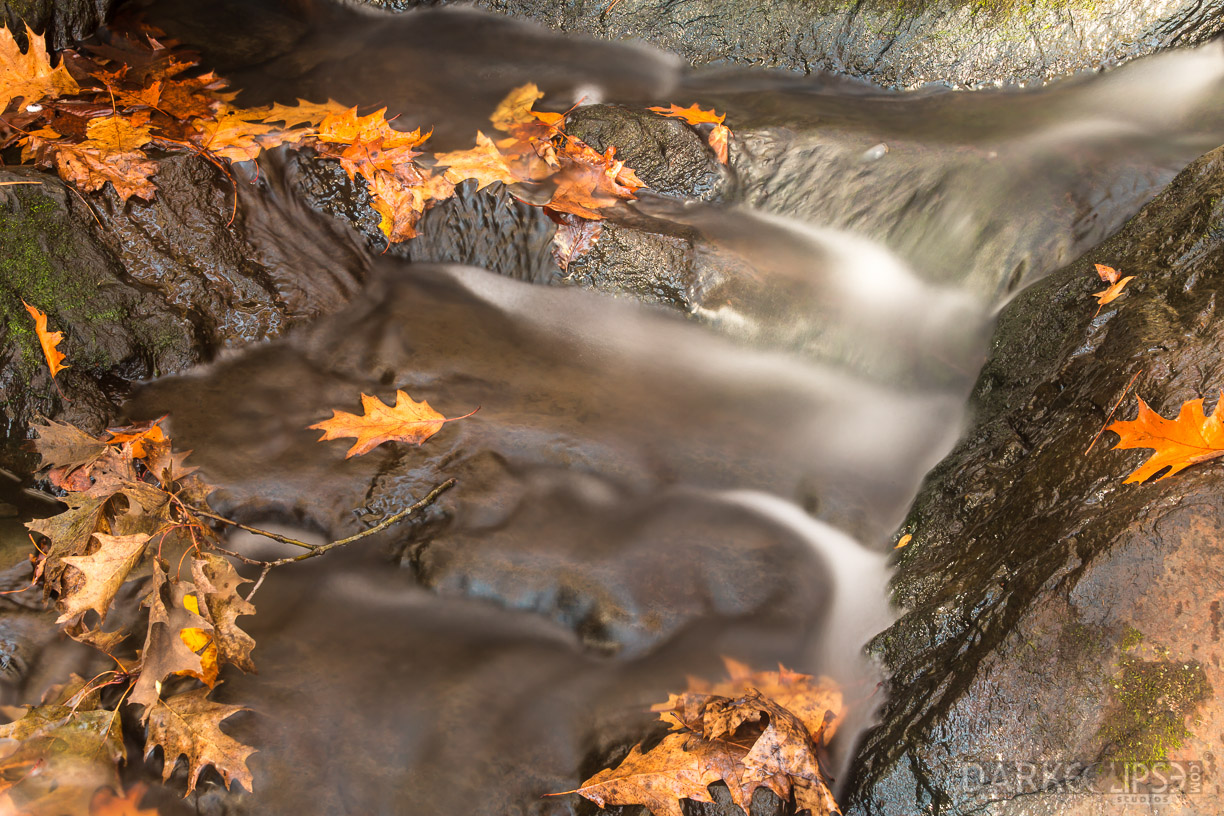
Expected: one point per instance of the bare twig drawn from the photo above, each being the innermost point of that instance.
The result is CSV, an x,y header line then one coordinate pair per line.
x,y
255,530
429,499
1111,410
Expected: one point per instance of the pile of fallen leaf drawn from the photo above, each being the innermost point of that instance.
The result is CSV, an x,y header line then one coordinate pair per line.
x,y
753,730
103,115
137,514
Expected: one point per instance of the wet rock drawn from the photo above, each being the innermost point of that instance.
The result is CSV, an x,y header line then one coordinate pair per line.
x,y
61,21
1054,613
666,154
144,289
495,230
957,42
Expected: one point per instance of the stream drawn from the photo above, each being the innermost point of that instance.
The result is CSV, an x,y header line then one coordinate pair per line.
x,y
642,491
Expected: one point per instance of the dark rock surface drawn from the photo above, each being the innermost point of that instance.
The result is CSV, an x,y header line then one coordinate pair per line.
x,y
895,44
61,21
147,289
495,230
1055,613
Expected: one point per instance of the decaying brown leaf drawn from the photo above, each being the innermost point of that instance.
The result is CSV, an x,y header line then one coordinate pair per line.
x,y
187,724
407,421
101,574
574,238
1178,443
49,340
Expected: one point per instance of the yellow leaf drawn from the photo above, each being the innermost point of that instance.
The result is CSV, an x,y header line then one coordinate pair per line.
x,y
515,109
484,163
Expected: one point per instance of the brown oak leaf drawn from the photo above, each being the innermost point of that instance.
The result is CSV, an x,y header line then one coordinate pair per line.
x,y
56,756
102,573
574,238
165,652
187,725
218,582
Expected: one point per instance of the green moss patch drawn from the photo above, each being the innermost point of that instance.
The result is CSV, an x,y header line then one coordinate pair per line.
x,y
1153,702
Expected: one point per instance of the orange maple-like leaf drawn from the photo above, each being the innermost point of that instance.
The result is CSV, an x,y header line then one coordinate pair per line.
x,y
720,143
49,340
1179,443
1117,284
1107,273
692,114
719,138
407,421
29,76
106,803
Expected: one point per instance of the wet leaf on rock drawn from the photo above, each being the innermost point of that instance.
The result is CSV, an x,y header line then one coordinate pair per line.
x,y
1178,443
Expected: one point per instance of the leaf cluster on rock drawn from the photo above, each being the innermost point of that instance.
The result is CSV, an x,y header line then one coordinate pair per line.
x,y
753,730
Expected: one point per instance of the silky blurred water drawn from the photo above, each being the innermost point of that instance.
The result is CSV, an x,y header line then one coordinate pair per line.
x,y
642,491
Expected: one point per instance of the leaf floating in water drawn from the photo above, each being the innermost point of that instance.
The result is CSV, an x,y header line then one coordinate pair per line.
x,y
407,421
1179,443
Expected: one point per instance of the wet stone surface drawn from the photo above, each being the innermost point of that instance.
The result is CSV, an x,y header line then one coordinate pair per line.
x,y
1054,612
148,289
954,42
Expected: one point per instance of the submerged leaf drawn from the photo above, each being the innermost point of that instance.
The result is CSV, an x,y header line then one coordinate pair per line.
x,y
187,725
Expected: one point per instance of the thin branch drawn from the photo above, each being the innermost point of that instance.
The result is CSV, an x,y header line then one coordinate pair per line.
x,y
429,499
255,530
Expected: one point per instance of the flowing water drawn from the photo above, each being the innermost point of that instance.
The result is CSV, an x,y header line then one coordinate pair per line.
x,y
641,491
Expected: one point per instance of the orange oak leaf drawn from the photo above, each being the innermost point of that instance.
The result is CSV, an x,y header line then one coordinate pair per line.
x,y
1113,292
303,113
1179,443
720,142
733,731
49,340
346,127
187,724
115,134
484,163
1108,273
817,701
106,803
515,109
407,421
131,174
693,114
719,137
677,768
29,76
